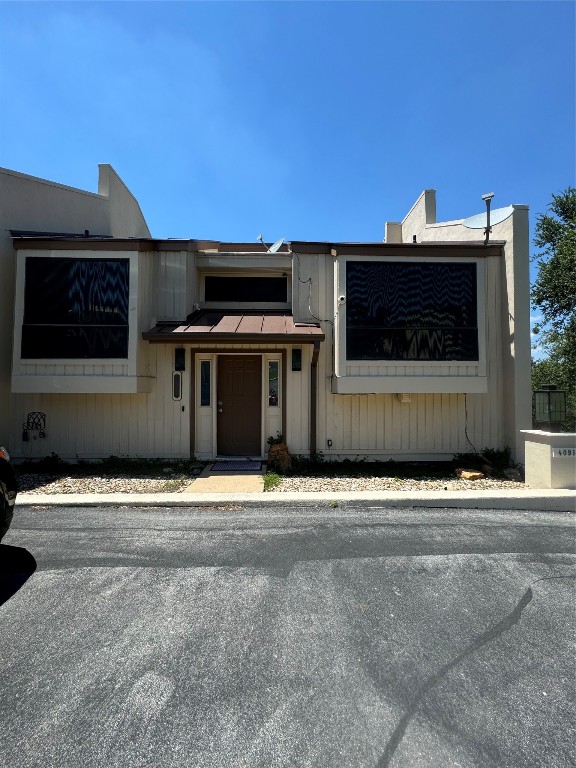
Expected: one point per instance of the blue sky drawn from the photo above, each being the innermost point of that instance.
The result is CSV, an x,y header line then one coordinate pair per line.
x,y
305,120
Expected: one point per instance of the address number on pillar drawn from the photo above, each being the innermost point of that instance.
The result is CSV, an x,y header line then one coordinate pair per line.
x,y
563,453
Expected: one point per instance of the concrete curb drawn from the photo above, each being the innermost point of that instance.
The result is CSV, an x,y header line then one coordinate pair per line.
x,y
521,499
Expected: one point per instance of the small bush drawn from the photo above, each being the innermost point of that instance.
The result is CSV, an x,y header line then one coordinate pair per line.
x,y
498,459
52,464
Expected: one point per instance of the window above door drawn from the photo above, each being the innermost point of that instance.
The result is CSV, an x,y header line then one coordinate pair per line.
x,y
245,291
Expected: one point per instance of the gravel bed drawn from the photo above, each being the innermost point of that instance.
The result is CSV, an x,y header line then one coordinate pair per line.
x,y
177,483
33,483
300,483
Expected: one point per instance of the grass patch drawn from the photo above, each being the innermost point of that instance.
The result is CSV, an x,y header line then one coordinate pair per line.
x,y
271,481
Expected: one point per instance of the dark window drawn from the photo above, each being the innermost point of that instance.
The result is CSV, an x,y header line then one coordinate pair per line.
x,y
75,308
411,311
273,382
205,382
246,289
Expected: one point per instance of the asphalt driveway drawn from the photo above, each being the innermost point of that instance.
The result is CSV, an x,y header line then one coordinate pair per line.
x,y
308,637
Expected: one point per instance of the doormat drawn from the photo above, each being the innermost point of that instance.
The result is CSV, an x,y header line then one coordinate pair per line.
x,y
236,466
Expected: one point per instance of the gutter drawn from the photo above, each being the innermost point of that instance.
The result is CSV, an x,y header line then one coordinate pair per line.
x,y
314,396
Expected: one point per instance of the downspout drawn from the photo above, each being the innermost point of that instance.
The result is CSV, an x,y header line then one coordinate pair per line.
x,y
314,396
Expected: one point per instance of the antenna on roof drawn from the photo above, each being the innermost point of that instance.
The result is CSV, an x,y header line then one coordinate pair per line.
x,y
274,247
486,220
488,198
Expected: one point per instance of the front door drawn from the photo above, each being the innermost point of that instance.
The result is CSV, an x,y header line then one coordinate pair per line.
x,y
239,400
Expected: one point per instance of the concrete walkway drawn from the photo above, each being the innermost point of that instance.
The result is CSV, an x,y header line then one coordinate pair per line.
x,y
227,482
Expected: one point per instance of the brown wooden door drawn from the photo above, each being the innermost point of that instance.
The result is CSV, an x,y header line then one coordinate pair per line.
x,y
239,403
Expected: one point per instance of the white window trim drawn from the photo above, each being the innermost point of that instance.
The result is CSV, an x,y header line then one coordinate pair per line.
x,y
271,413
272,358
386,376
74,365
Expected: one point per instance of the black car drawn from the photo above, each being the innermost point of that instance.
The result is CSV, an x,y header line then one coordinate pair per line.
x,y
8,490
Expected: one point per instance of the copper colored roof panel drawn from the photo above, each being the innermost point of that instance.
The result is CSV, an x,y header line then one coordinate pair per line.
x,y
236,327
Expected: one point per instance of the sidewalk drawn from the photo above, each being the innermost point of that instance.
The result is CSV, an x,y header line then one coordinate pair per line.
x,y
517,499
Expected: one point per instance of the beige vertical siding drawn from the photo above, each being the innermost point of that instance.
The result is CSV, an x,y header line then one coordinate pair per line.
x,y
297,428
377,426
172,285
435,424
99,425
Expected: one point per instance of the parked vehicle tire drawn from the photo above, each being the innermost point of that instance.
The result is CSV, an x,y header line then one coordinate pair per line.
x,y
8,491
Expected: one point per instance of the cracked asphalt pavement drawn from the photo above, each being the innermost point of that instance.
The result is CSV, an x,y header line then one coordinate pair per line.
x,y
305,637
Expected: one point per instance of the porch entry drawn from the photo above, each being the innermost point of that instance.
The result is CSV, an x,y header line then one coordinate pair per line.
x,y
239,405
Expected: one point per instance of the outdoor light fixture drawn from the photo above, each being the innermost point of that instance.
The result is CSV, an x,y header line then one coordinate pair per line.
x,y
179,359
550,407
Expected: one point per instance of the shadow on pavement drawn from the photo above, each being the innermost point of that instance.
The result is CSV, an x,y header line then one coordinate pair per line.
x,y
16,567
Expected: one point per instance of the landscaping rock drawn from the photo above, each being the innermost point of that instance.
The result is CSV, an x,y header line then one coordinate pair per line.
x,y
469,474
513,474
279,457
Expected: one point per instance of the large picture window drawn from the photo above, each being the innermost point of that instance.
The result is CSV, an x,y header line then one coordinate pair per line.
x,y
411,311
75,308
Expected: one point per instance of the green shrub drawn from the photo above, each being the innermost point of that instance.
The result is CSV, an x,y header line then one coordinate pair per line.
x,y
271,481
498,459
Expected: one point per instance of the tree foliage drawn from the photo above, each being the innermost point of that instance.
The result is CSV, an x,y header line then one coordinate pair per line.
x,y
554,291
552,371
554,294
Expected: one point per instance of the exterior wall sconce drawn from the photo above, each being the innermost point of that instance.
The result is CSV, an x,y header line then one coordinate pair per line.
x,y
297,359
179,366
179,359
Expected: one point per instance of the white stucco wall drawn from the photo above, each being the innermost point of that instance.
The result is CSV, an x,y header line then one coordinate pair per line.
x,y
550,459
125,216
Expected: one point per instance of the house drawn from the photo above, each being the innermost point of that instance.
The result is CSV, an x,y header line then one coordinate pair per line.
x,y
410,349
